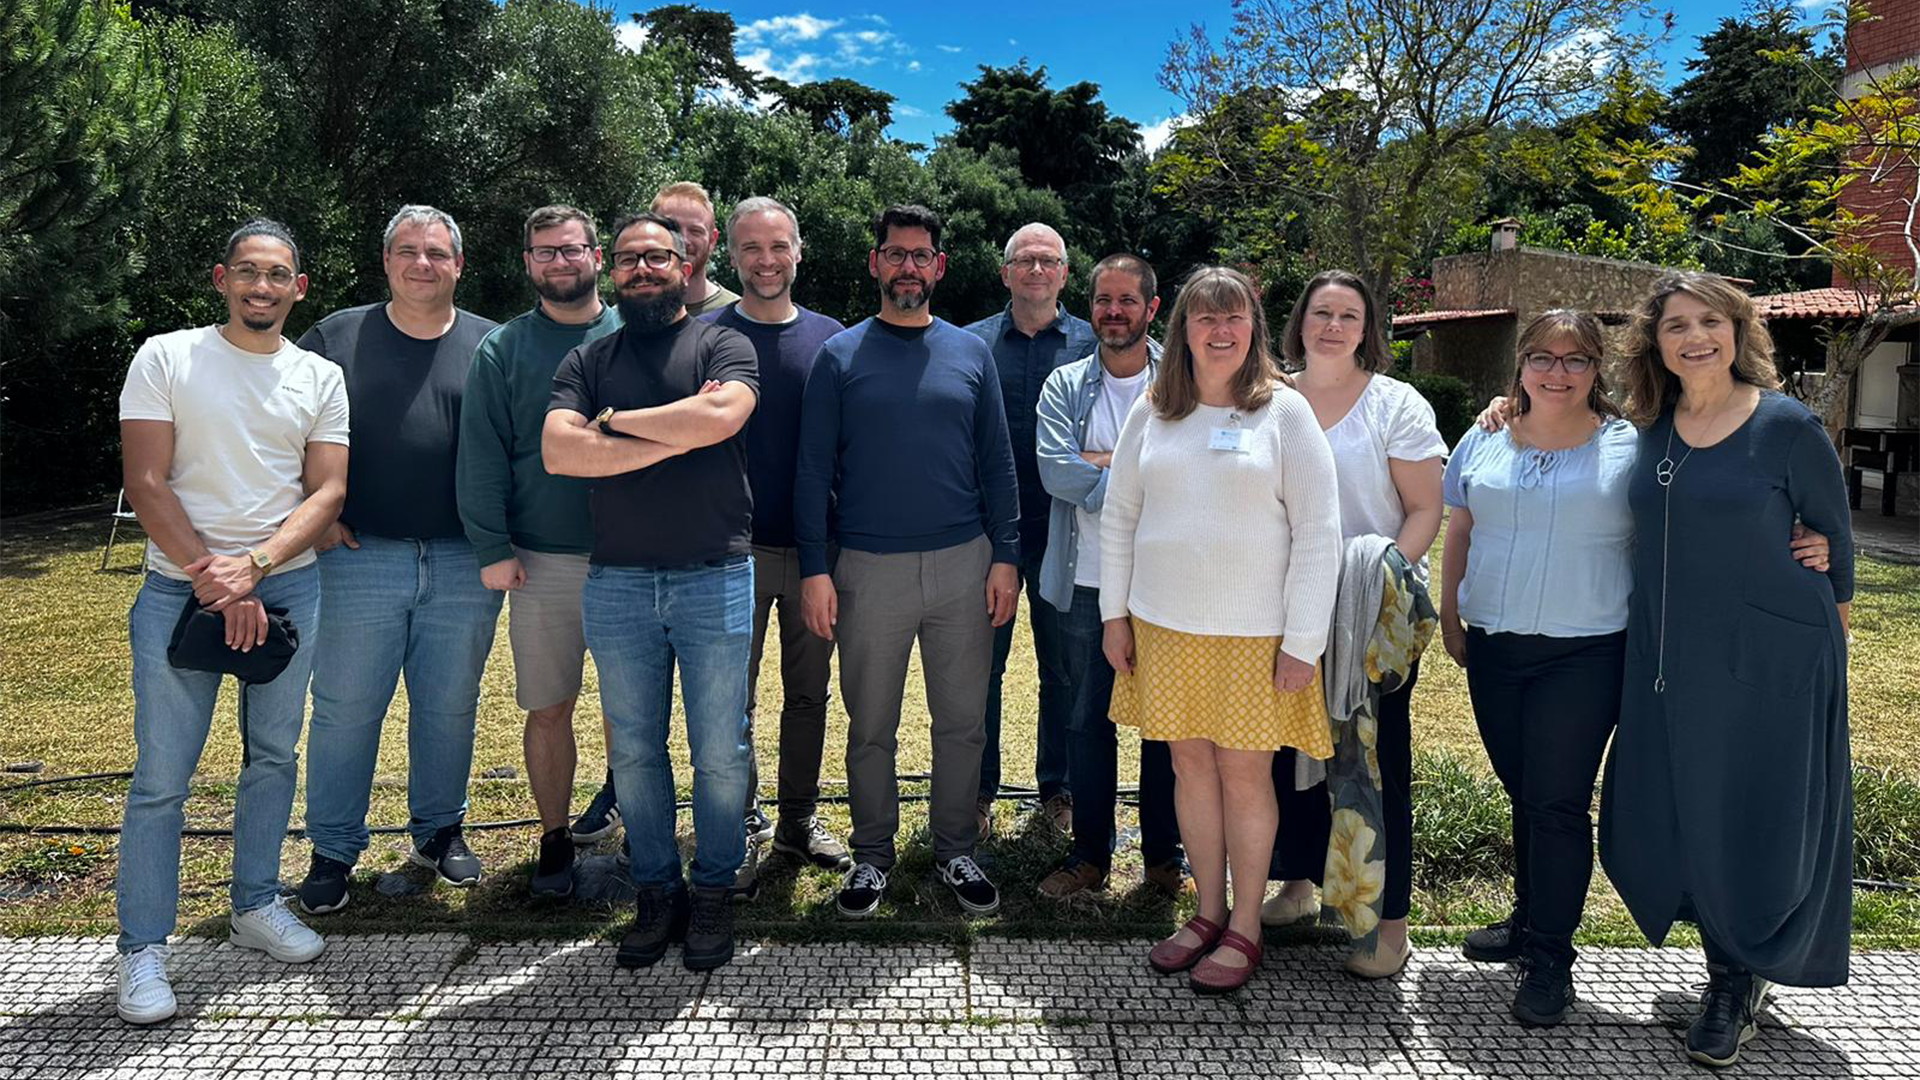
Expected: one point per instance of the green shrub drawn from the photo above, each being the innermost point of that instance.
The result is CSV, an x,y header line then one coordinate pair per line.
x,y
1462,822
1453,404
1886,825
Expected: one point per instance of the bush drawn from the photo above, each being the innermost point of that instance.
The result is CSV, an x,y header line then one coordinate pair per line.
x,y
1453,404
1886,825
1462,822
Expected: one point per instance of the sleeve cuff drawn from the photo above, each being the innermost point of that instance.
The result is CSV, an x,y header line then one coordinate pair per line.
x,y
492,553
813,560
1303,647
1007,553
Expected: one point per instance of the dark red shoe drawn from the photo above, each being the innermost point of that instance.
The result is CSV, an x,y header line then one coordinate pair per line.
x,y
1209,976
1169,958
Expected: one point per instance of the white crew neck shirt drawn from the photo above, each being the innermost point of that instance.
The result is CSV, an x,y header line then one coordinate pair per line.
x,y
241,425
1389,420
1109,415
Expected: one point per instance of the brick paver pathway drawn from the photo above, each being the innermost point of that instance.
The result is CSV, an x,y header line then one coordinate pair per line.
x,y
443,1005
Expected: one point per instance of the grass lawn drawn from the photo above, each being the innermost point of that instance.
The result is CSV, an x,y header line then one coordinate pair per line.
x,y
65,701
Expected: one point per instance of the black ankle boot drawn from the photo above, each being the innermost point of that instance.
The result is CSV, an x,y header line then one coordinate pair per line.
x,y
1546,984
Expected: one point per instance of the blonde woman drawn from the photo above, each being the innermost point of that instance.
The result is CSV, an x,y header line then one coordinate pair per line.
x,y
1728,799
1220,545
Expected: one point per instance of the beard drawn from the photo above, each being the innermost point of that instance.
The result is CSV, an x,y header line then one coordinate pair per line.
x,y
259,323
650,314
909,301
1121,336
566,294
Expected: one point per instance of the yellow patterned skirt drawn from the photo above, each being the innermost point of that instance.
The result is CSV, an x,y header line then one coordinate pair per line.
x,y
1218,688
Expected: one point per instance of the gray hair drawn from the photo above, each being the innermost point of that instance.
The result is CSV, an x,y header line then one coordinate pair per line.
x,y
1041,228
761,204
421,214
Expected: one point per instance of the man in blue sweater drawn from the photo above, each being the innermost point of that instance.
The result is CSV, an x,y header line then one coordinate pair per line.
x,y
763,240
902,431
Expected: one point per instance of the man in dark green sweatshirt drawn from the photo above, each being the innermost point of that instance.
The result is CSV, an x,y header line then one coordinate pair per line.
x,y
532,530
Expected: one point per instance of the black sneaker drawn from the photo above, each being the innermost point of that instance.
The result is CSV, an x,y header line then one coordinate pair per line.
x,y
861,890
1546,988
1499,943
970,886
810,840
600,818
553,877
658,921
759,825
709,930
447,853
325,889
1726,1018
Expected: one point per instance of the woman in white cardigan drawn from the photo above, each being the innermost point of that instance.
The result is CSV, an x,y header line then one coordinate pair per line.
x,y
1220,545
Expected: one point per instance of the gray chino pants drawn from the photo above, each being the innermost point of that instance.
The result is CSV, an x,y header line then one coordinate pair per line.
x,y
886,602
805,661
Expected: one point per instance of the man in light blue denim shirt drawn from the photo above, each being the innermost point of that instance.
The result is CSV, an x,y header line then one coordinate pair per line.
x,y
1030,338
1077,422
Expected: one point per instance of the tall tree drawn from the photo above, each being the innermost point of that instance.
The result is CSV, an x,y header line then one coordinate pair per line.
x,y
699,46
832,105
1738,88
1369,119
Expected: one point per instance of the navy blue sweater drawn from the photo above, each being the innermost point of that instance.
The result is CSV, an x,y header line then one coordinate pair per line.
x,y
903,430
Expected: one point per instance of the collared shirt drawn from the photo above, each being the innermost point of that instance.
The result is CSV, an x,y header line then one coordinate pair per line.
x,y
1071,482
1024,363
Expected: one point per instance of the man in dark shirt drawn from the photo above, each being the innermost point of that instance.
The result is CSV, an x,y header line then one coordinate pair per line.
x,y
1030,338
654,413
763,240
902,426
400,584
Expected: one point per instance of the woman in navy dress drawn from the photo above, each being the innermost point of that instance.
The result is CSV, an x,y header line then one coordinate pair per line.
x,y
1728,797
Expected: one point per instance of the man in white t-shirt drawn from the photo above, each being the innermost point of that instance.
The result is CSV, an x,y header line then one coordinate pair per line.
x,y
1077,424
235,450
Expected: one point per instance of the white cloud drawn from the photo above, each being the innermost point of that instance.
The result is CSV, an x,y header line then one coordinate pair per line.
x,y
913,65
631,35
797,68
1156,134
1585,44
907,110
785,29
949,48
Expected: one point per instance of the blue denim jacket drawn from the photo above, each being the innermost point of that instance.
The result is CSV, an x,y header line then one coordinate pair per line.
x,y
1060,430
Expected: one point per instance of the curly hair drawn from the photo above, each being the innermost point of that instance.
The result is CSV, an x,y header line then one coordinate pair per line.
x,y
1650,388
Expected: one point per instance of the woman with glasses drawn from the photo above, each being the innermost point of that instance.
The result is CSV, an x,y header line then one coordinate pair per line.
x,y
1537,567
1388,452
1220,542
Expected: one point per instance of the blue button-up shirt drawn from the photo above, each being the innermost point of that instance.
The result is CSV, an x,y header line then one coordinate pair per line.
x,y
1071,482
1024,364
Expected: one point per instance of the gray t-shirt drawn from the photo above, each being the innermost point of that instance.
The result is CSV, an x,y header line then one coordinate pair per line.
x,y
405,395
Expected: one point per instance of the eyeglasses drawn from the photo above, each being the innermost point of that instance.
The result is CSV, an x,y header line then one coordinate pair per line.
x,y
546,253
1572,365
244,276
657,258
896,256
1027,264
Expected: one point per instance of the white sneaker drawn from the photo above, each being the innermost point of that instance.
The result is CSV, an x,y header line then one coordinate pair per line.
x,y
275,931
145,995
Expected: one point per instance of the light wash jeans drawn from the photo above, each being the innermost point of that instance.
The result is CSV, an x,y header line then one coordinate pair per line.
x,y
172,712
639,622
396,605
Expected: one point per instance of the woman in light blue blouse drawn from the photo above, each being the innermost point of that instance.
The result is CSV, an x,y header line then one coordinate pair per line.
x,y
1538,566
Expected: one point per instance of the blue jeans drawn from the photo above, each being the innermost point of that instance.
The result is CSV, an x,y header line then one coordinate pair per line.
x,y
172,712
1056,695
639,621
396,605
1093,749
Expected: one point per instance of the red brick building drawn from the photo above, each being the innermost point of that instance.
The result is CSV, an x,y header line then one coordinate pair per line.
x,y
1873,49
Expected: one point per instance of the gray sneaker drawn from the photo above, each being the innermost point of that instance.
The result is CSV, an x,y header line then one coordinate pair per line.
x,y
746,881
808,839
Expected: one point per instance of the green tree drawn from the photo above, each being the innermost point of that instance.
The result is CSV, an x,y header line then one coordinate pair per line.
x,y
696,44
1368,122
832,105
1738,89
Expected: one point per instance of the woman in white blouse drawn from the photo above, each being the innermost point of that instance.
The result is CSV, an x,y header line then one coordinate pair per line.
x,y
1389,455
1220,556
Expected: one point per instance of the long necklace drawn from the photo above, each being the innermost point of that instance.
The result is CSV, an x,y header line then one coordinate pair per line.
x,y
1664,472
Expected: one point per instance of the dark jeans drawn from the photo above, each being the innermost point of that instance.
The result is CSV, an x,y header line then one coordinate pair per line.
x,y
1301,851
1093,750
1546,707
1050,758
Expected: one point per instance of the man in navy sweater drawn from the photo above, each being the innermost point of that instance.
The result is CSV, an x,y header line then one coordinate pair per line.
x,y
763,240
902,430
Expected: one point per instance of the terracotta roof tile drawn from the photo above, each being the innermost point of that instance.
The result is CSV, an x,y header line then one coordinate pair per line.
x,y
1428,318
1812,304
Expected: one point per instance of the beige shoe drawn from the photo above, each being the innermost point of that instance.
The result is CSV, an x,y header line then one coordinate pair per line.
x,y
1378,965
1283,910
1058,813
1072,880
984,809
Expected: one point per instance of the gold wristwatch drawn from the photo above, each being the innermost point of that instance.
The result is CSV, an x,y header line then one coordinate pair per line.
x,y
605,420
261,560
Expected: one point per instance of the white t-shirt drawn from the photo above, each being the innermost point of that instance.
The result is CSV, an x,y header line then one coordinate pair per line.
x,y
1390,420
241,425
1109,414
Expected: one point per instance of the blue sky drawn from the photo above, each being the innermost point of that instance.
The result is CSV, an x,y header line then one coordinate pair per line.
x,y
921,54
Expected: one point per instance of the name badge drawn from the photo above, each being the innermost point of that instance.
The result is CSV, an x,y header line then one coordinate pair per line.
x,y
1232,439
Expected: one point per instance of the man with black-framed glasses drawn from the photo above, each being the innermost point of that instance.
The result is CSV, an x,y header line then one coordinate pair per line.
x,y
1031,337
531,530
902,432
653,412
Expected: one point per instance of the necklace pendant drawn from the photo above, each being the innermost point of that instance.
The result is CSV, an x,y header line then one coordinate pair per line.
x,y
1659,684
1663,472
